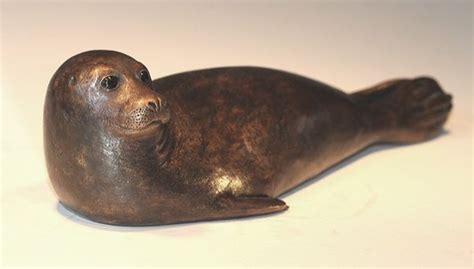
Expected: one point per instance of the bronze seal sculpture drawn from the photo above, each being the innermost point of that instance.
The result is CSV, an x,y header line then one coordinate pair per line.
x,y
211,144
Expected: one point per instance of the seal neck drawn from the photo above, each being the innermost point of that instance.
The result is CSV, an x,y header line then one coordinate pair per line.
x,y
164,145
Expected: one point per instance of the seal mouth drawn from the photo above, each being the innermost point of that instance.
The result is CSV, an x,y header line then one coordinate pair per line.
x,y
152,128
149,127
142,121
152,124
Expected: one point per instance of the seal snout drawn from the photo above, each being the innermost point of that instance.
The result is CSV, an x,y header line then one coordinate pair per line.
x,y
148,111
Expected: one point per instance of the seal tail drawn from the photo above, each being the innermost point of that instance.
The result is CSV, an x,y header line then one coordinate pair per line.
x,y
405,111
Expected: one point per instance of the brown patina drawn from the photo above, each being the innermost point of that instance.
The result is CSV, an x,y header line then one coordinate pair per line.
x,y
211,144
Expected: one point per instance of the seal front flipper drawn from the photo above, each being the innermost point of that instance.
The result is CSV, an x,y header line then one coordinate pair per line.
x,y
245,206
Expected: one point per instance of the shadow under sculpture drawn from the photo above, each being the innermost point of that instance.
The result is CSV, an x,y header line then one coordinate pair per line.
x,y
218,143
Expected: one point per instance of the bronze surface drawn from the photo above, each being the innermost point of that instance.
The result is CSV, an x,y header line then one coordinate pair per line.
x,y
211,144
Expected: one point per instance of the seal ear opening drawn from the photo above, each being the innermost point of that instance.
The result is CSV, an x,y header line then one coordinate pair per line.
x,y
72,81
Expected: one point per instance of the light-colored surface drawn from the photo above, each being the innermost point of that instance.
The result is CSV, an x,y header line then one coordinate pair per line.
x,y
401,206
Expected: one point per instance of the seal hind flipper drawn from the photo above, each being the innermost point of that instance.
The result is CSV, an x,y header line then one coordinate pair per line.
x,y
404,110
246,206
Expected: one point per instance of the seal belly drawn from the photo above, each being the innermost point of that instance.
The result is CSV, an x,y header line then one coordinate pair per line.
x,y
262,131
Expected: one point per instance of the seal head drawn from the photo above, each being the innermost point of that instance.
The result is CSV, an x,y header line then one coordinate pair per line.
x,y
114,88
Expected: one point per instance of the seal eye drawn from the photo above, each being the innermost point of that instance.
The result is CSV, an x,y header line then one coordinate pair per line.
x,y
144,76
109,82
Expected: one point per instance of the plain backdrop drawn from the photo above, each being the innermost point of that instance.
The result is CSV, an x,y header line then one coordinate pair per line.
x,y
388,206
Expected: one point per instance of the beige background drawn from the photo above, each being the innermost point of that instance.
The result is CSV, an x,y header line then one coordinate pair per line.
x,y
397,206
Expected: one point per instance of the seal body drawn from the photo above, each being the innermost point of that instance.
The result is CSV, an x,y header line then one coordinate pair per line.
x,y
215,143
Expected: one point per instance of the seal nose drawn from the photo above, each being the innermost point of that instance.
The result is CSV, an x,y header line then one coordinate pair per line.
x,y
152,105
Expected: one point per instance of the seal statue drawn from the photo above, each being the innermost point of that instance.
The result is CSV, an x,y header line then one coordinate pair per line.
x,y
211,144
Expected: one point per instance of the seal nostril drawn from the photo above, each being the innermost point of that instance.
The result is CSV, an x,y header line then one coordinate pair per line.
x,y
152,105
163,103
